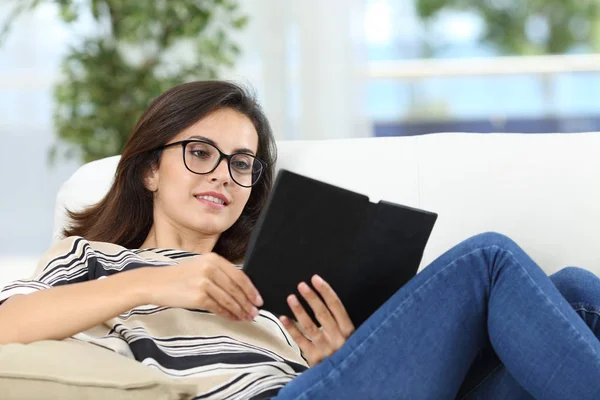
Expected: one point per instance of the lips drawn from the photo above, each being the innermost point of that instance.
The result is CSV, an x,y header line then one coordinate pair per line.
x,y
214,197
211,198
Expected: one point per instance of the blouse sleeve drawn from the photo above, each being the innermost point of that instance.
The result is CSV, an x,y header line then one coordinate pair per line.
x,y
67,262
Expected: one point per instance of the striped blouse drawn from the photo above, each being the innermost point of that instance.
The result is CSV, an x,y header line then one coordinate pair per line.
x,y
227,359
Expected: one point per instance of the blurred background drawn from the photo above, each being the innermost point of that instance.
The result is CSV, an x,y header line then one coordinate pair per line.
x,y
76,74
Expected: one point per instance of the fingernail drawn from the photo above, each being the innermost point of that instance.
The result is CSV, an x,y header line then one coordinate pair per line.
x,y
294,300
303,287
259,300
254,312
318,280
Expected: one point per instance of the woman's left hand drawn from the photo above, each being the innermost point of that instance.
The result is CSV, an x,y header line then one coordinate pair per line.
x,y
336,325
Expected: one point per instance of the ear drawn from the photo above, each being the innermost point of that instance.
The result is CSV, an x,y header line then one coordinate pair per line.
x,y
151,179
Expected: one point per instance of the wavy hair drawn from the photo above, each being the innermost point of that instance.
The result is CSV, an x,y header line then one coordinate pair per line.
x,y
125,215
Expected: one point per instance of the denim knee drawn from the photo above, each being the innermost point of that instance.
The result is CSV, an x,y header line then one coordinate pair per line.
x,y
573,274
488,239
578,285
493,249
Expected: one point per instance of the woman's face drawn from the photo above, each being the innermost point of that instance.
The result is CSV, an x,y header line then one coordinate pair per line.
x,y
178,192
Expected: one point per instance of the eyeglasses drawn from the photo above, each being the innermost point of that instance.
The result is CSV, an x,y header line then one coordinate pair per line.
x,y
203,158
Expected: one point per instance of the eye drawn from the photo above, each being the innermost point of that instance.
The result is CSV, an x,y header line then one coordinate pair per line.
x,y
242,162
200,153
240,165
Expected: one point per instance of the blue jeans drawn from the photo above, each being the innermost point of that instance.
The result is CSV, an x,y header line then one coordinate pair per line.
x,y
491,380
421,344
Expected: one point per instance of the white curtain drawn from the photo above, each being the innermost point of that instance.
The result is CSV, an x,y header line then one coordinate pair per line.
x,y
307,59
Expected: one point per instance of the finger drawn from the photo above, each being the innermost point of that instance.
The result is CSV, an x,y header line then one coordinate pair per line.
x,y
242,281
308,348
307,324
225,300
221,279
335,306
322,314
211,305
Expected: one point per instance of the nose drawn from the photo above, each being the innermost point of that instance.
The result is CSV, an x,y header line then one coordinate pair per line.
x,y
221,173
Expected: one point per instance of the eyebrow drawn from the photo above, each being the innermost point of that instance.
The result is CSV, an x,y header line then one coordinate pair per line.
x,y
207,140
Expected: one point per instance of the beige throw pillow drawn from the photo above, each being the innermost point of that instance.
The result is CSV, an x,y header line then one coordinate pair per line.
x,y
70,369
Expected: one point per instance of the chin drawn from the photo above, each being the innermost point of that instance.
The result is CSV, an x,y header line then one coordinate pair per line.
x,y
211,227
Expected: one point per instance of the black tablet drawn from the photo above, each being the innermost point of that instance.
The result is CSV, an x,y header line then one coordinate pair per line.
x,y
365,251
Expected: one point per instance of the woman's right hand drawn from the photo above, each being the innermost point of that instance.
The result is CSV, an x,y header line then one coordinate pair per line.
x,y
208,282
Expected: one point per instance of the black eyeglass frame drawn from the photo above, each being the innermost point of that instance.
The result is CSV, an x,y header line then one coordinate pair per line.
x,y
228,157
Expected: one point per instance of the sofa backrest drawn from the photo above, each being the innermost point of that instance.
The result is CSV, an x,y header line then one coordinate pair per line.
x,y
541,190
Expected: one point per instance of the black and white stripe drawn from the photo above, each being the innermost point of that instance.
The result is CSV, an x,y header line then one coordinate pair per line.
x,y
244,360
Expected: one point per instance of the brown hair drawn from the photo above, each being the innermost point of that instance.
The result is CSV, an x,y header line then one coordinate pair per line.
x,y
125,215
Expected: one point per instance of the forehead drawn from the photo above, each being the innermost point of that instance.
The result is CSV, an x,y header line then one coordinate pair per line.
x,y
228,128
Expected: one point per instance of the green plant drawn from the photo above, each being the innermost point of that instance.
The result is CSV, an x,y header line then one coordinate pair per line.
x,y
558,25
140,49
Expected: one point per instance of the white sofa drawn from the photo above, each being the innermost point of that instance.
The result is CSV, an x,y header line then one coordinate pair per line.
x,y
541,190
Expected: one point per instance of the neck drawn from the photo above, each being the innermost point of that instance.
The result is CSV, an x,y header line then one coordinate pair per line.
x,y
172,238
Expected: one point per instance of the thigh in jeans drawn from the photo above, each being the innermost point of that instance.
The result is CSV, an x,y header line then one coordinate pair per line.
x,y
422,342
488,379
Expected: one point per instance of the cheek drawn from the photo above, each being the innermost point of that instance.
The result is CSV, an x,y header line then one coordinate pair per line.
x,y
241,198
172,172
175,185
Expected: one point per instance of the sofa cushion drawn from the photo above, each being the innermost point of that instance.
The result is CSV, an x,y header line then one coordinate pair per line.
x,y
71,369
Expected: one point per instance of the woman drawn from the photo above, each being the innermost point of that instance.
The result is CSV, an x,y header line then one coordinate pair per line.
x,y
149,273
